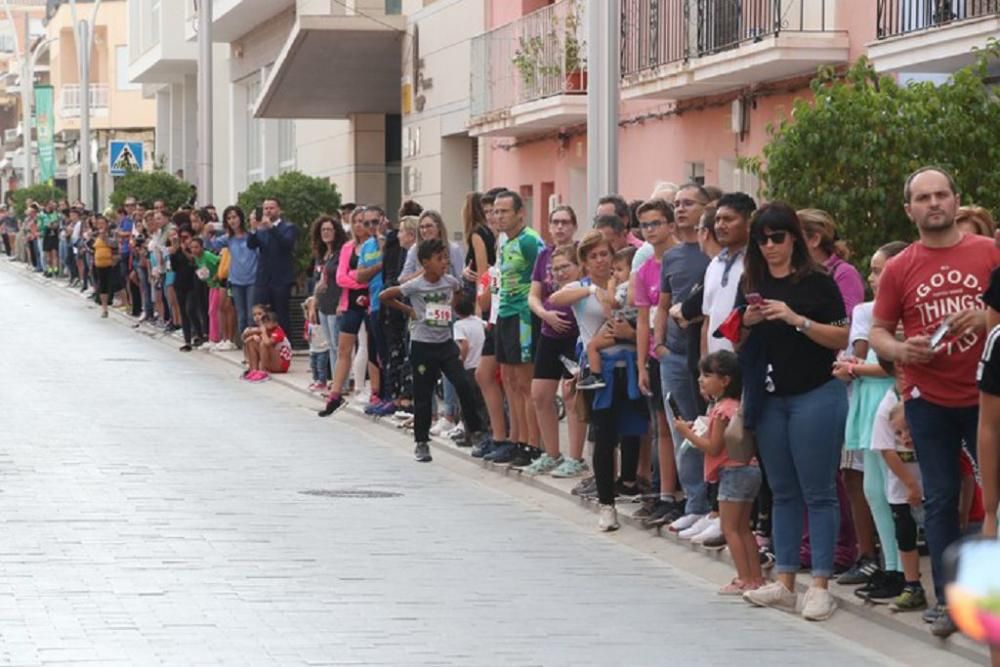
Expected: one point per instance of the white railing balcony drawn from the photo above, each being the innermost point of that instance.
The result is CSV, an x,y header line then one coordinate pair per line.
x,y
540,55
71,98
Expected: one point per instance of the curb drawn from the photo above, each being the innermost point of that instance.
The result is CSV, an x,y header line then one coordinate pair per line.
x,y
560,488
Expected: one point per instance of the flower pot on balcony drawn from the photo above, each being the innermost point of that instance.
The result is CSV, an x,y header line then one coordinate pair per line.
x,y
576,81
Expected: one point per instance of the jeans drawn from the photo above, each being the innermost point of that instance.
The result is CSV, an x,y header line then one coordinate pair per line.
x,y
799,439
937,434
332,331
675,379
243,297
429,361
319,366
147,291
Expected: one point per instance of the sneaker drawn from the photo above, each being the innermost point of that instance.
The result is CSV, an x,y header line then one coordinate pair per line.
x,y
441,426
912,598
714,543
228,346
332,405
711,531
402,415
569,467
734,587
685,522
877,580
860,573
422,452
503,453
932,613
183,348
586,487
542,465
818,604
662,510
457,433
316,386
481,448
525,456
943,626
890,587
697,527
766,559
631,493
590,383
772,595
260,377
607,519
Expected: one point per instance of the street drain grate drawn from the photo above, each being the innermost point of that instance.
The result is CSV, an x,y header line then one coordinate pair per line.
x,y
350,493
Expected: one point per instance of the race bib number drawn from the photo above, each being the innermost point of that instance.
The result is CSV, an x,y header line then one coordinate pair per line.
x,y
438,314
494,281
202,273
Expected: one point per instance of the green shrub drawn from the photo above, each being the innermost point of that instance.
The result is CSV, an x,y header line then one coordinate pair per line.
x,y
149,185
303,199
41,193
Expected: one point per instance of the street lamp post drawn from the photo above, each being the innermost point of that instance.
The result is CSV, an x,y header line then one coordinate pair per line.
x,y
205,156
603,88
84,44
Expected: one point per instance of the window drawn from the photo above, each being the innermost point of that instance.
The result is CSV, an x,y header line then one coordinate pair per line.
x,y
121,70
694,172
286,145
255,131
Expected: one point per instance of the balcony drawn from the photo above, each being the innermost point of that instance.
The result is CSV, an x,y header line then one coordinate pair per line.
x,y
156,54
530,75
231,19
679,49
931,36
341,58
70,99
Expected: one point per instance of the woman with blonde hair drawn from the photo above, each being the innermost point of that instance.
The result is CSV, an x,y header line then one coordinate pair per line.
x,y
431,226
976,220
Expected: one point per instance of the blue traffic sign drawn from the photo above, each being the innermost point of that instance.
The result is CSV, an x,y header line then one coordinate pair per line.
x,y
125,156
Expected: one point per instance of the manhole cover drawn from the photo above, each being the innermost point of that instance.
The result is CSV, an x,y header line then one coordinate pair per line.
x,y
350,493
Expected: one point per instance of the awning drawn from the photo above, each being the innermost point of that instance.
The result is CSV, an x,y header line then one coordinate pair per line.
x,y
332,66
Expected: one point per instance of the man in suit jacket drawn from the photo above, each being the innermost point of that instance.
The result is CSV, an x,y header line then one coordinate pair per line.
x,y
275,237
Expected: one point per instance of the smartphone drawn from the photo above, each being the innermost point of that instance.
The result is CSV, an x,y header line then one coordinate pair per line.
x,y
674,408
939,334
754,299
259,213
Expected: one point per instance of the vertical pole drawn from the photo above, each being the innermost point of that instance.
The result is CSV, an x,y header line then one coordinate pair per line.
x,y
27,92
205,153
83,38
604,65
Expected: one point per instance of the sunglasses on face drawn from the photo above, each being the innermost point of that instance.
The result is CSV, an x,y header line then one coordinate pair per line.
x,y
777,238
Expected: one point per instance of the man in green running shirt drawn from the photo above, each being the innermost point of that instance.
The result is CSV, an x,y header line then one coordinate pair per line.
x,y
515,332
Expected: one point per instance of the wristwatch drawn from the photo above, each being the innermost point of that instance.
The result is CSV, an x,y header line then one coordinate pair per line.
x,y
592,289
804,327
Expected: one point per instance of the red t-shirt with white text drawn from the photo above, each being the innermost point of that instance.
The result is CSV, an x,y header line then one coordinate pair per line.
x,y
922,286
283,347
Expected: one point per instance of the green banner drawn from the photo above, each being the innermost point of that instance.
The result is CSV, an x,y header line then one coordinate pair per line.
x,y
45,122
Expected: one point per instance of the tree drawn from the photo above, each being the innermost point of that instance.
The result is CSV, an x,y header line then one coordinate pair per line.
x,y
303,199
41,193
849,150
149,185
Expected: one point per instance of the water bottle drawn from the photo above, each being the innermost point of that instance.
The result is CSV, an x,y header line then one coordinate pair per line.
x,y
571,366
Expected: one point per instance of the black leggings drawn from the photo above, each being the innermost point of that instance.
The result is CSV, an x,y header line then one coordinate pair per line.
x,y
192,313
906,527
606,438
430,361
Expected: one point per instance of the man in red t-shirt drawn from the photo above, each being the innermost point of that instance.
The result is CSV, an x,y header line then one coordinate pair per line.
x,y
939,280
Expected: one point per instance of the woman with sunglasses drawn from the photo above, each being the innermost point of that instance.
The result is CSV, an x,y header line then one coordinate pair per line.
x,y
795,323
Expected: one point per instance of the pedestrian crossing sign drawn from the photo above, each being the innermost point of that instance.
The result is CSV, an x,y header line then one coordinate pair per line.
x,y
125,156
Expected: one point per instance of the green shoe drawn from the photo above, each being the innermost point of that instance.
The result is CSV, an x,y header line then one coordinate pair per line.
x,y
542,465
569,468
912,598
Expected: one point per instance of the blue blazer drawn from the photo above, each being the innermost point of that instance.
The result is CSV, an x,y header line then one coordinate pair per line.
x,y
276,256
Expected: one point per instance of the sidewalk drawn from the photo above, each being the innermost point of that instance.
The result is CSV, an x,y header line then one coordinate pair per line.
x,y
298,379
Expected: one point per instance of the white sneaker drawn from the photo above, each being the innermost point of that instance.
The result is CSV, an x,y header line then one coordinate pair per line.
x,y
607,519
713,530
684,522
225,346
442,426
774,595
695,528
818,604
457,433
402,415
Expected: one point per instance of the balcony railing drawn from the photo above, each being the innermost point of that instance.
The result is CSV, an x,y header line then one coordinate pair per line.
x,y
70,98
899,17
659,32
539,55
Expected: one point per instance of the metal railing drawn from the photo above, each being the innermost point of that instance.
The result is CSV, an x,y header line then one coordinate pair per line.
x,y
70,98
658,32
899,17
539,55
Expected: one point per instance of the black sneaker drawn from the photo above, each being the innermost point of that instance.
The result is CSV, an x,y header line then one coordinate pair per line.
x,y
891,587
625,492
332,406
943,626
524,455
185,348
590,383
877,580
661,513
646,511
422,452
860,573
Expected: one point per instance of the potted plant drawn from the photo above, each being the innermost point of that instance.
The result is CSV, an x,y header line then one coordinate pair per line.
x,y
574,50
526,59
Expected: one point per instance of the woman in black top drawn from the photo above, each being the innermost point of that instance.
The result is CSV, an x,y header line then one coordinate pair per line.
x,y
796,318
328,237
182,264
480,252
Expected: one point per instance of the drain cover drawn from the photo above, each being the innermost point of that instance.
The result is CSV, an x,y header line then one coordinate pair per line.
x,y
350,493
